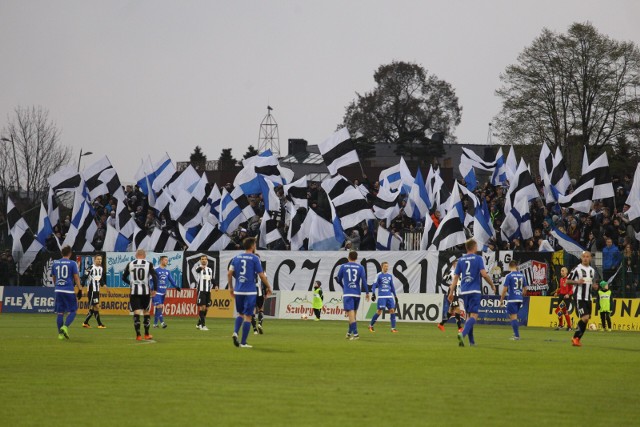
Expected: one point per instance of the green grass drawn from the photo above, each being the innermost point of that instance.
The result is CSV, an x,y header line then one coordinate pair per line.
x,y
305,373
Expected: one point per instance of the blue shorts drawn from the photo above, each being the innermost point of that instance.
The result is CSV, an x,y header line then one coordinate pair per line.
x,y
471,303
350,302
245,304
66,303
158,299
513,307
386,303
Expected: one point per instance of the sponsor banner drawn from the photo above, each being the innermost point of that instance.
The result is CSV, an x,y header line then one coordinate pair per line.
x,y
297,304
296,271
493,313
28,299
117,261
190,263
1,295
183,304
424,308
112,301
625,313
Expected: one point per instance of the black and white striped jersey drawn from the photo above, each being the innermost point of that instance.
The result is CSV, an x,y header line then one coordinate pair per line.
x,y
205,278
582,292
139,274
95,279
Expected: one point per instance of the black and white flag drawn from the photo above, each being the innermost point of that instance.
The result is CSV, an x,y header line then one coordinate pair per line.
x,y
338,151
385,204
210,238
25,246
101,178
350,206
269,232
297,192
599,171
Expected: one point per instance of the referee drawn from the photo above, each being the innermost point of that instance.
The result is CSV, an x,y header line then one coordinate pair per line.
x,y
205,283
138,274
582,278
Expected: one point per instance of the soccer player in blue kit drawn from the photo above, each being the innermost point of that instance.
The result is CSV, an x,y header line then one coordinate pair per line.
x,y
244,268
164,276
470,272
386,296
515,285
66,279
353,278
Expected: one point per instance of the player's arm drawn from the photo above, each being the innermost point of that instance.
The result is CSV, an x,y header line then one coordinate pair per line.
x,y
154,277
265,280
339,276
452,288
488,279
125,275
363,282
230,279
504,289
321,295
172,283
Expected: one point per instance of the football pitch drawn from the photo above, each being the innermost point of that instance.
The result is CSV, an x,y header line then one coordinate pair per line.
x,y
305,373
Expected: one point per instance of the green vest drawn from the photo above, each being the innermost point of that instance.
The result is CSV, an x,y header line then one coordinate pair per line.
x,y
605,300
317,299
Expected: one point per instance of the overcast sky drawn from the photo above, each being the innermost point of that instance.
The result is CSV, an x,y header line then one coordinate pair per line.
x,y
136,78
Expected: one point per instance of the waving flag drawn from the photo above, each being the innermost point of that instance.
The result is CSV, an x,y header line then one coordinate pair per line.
x,y
338,151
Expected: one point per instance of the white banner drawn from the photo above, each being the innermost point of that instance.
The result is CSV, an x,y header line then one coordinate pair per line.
x,y
296,271
297,305
423,308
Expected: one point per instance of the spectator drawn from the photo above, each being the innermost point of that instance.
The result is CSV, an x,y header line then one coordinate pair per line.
x,y
354,238
611,258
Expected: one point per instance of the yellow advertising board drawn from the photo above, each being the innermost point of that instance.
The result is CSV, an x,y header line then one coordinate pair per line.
x,y
625,315
112,301
222,304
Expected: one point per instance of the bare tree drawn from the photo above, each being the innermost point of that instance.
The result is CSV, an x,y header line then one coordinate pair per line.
x,y
38,151
580,86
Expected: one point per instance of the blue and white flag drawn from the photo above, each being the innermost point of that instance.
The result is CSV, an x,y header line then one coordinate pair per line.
x,y
418,202
397,177
482,227
326,235
234,210
387,241
566,242
44,227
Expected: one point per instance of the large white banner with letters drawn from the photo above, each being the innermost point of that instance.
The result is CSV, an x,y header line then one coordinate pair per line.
x,y
296,271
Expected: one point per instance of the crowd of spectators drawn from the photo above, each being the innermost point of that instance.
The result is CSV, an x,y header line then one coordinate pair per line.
x,y
604,229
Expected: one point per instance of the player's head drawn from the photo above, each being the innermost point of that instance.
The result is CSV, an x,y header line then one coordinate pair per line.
x,y
513,265
564,272
604,285
249,244
471,246
384,266
204,260
141,254
97,260
353,255
317,284
66,251
164,261
585,258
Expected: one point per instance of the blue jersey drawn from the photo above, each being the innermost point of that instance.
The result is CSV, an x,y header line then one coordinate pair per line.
x,y
63,270
245,268
468,271
384,284
352,277
515,282
164,281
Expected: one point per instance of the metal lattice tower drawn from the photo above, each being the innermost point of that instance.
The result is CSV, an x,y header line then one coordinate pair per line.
x,y
269,137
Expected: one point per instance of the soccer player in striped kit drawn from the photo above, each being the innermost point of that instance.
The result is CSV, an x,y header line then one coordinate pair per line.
x,y
142,277
96,279
205,284
582,278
